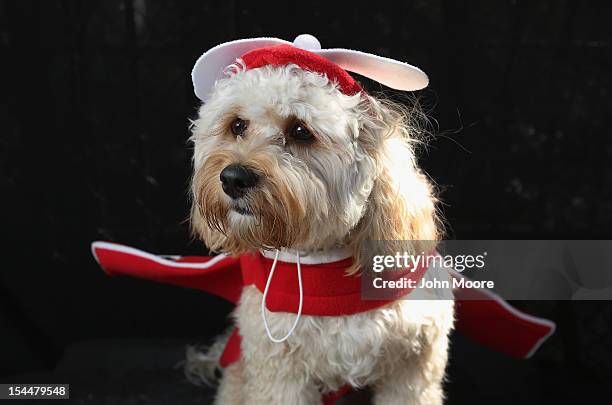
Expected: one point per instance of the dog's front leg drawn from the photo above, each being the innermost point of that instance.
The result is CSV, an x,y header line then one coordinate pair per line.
x,y
408,389
230,391
271,383
273,373
416,380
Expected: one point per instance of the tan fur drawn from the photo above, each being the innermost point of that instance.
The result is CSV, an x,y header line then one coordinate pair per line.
x,y
401,207
357,181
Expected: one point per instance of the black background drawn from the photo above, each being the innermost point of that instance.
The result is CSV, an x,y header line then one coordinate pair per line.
x,y
95,101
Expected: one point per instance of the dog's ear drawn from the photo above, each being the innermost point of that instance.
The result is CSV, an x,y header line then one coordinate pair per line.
x,y
401,207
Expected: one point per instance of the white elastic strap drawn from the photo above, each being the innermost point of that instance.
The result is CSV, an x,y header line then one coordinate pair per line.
x,y
265,294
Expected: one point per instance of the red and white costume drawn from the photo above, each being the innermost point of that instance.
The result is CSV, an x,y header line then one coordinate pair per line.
x,y
328,291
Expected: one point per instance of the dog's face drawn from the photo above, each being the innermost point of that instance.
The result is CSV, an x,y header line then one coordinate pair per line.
x,y
284,159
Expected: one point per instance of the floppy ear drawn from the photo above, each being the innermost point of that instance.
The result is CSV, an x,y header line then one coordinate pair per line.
x,y
401,208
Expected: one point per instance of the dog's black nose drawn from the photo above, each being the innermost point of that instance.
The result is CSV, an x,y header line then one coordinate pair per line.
x,y
237,180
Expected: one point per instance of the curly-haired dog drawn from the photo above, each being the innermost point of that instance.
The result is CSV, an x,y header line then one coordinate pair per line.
x,y
298,170
284,159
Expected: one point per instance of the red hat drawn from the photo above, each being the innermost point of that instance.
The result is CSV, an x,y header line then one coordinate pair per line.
x,y
306,53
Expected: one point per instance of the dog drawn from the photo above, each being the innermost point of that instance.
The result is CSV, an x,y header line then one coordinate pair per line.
x,y
296,167
283,159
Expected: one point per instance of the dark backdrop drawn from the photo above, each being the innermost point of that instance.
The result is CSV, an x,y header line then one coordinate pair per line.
x,y
95,101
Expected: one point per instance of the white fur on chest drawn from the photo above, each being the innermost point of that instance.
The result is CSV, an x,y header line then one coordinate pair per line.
x,y
356,349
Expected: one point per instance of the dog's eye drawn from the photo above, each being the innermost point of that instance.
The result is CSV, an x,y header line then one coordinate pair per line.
x,y
239,126
300,132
